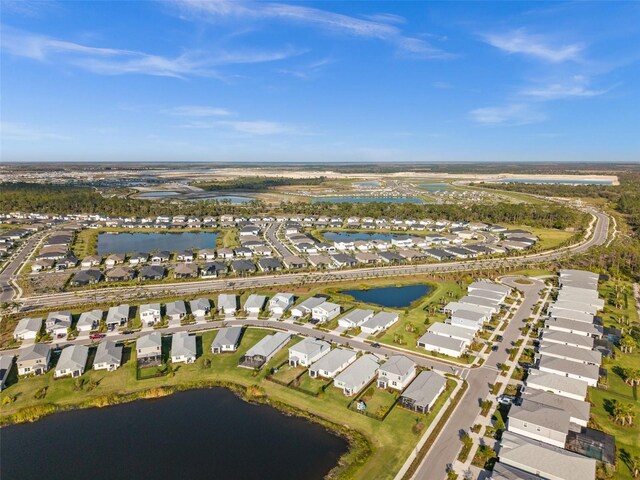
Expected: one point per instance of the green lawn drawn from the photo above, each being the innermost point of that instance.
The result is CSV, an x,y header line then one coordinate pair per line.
x,y
391,440
548,238
378,401
287,373
619,305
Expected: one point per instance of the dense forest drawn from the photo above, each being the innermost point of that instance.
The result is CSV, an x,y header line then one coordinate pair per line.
x,y
257,183
27,197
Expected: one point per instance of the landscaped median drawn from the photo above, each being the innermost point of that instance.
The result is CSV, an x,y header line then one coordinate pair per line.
x,y
378,449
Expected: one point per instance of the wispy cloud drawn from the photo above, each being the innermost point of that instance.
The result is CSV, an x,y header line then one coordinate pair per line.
x,y
110,61
308,70
537,46
25,133
197,111
510,114
578,87
381,28
28,8
258,127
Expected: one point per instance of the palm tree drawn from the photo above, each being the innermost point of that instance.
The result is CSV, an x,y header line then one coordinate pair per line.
x,y
632,376
623,413
627,344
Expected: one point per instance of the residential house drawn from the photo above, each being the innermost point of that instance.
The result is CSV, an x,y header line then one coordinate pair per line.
x,y
119,274
280,303
306,307
325,312
150,314
183,348
213,269
186,270
108,356
355,318
539,422
459,333
58,323
151,272
578,410
200,308
86,277
161,256
294,261
254,304
439,344
34,360
138,258
72,361
90,261
117,316
396,373
422,393
308,351
379,322
114,259
28,328
580,371
558,384
89,321
227,340
176,310
227,303
243,267
149,350
264,350
6,364
331,364
269,264
357,375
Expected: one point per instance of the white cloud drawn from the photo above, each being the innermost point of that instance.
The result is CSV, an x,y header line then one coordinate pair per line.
x,y
25,133
198,111
110,61
379,28
578,87
511,114
258,127
537,46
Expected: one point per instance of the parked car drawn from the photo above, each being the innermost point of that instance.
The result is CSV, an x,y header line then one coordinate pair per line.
x,y
499,338
505,400
494,348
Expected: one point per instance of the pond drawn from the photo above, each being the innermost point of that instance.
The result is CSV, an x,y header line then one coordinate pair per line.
x,y
367,200
372,183
354,236
557,182
435,187
158,194
235,199
392,297
150,242
197,434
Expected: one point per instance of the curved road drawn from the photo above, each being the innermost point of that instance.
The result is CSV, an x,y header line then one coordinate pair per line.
x,y
599,232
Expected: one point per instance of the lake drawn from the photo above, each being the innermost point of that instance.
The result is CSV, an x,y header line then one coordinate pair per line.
x,y
372,183
149,242
197,434
367,200
435,187
158,194
354,236
557,182
228,198
392,297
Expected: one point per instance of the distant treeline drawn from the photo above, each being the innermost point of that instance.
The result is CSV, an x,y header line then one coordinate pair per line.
x,y
25,197
257,183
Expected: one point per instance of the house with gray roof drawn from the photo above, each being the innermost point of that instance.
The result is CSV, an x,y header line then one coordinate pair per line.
x,y
119,274
572,326
34,360
306,307
440,344
150,314
254,304
227,303
28,328
539,422
108,356
89,321
573,354
570,315
579,371
332,363
452,307
227,340
422,393
86,277
151,272
57,323
149,350
554,383
576,306
325,312
264,350
72,361
493,306
117,316
183,348
547,461
447,330
566,338
280,303
200,308
578,410
355,318
357,375
507,472
379,322
6,363
176,310
307,351
396,373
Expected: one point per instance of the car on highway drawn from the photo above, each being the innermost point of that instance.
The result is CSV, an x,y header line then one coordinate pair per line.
x,y
375,345
127,332
97,336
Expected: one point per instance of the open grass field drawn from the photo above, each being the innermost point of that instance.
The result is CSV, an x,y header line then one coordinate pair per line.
x,y
619,304
391,440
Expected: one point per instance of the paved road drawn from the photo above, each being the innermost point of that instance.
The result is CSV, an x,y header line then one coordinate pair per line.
x,y
445,449
7,291
271,234
67,299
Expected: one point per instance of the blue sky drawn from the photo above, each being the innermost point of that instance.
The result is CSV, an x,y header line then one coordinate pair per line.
x,y
202,80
